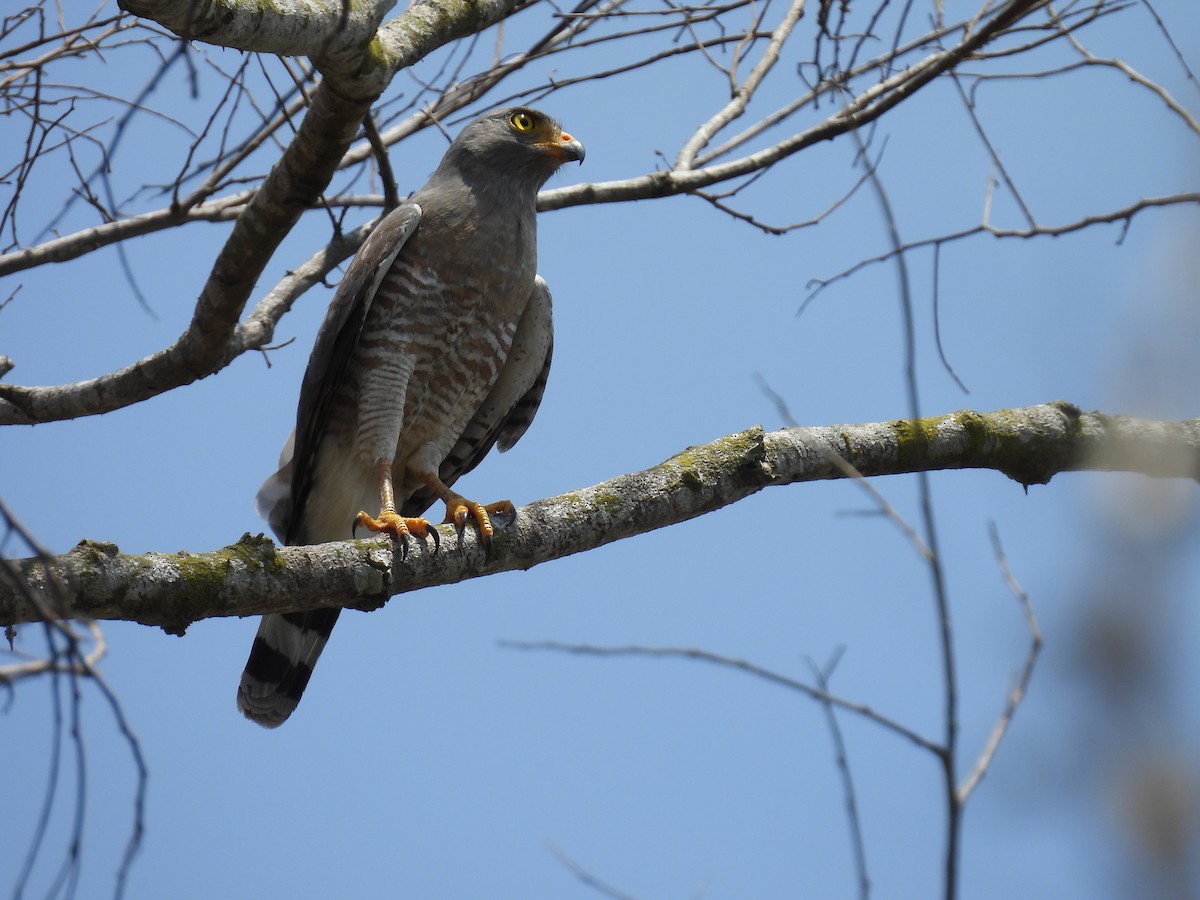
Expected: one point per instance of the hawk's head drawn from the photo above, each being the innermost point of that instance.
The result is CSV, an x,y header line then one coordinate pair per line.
x,y
515,142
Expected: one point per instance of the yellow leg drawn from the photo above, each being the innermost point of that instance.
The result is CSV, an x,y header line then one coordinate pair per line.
x,y
399,527
460,510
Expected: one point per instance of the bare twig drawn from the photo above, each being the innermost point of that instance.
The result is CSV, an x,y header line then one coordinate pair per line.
x,y
1017,694
937,319
1124,216
588,879
821,676
743,92
391,199
969,106
1136,77
733,663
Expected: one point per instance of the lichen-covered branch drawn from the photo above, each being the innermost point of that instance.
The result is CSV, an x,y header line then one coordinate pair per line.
x,y
1029,445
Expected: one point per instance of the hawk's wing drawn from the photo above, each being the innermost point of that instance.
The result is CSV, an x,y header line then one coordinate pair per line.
x,y
282,498
287,646
510,405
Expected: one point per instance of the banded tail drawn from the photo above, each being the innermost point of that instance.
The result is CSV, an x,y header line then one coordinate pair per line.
x,y
281,662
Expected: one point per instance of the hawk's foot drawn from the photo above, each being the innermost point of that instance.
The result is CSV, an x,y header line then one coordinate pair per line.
x,y
399,527
459,510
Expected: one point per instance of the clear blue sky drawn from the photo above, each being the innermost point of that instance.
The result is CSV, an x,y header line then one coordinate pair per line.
x,y
427,761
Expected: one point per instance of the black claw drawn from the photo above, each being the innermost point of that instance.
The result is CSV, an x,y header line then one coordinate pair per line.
x,y
487,548
403,541
437,540
461,527
354,529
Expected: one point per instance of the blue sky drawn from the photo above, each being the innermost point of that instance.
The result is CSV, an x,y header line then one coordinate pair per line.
x,y
428,761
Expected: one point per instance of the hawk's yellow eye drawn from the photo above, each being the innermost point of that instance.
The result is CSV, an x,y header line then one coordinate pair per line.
x,y
521,121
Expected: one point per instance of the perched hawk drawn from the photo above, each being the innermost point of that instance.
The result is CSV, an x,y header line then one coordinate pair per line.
x,y
435,347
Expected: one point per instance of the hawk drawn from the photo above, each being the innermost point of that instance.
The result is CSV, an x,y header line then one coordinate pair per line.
x,y
435,348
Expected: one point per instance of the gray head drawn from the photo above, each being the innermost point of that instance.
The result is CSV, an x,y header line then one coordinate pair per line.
x,y
519,143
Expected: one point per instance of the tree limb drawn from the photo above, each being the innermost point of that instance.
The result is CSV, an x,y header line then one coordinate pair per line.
x,y
287,29
1028,444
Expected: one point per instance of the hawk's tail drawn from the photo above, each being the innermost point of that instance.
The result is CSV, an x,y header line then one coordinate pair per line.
x,y
281,662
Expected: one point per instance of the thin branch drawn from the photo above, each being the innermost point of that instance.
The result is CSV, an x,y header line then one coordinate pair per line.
x,y
1017,694
744,92
742,666
821,676
1136,77
391,199
937,320
1176,52
536,94
585,876
717,200
886,63
1124,215
969,106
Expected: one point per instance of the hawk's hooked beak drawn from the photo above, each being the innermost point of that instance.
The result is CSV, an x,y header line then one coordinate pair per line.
x,y
567,149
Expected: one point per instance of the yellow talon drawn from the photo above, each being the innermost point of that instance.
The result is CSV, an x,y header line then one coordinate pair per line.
x,y
459,510
399,527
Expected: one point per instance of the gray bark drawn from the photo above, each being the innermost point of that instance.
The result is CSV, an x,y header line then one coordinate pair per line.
x,y
1030,445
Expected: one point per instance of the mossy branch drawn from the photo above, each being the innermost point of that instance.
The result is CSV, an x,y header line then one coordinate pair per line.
x,y
254,576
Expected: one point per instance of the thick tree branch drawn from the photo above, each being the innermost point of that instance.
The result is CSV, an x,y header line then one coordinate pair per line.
x,y
1029,444
290,28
